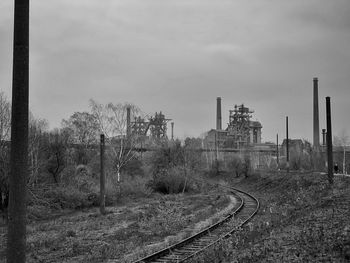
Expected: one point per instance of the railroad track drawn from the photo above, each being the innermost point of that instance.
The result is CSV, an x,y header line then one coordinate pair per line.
x,y
192,246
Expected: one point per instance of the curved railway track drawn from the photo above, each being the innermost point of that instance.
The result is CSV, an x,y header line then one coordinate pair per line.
x,y
192,246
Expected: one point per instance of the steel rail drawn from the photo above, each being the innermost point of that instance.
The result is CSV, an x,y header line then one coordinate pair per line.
x,y
197,243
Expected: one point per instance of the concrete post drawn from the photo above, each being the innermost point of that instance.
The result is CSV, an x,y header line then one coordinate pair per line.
x,y
218,113
277,152
17,215
329,140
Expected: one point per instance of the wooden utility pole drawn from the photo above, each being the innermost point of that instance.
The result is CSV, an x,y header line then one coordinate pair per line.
x,y
102,175
216,147
16,240
277,152
329,140
287,144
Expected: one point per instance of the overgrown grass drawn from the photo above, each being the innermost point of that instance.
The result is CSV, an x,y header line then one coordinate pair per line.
x,y
130,230
81,190
302,219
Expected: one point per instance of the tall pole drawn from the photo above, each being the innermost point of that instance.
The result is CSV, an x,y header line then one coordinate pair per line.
x,y
329,140
102,175
287,144
316,117
16,238
216,146
277,153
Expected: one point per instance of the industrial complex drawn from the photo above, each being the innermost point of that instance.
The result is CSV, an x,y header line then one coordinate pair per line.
x,y
240,132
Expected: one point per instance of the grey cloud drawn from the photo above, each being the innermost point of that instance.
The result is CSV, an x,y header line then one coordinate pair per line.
x,y
178,56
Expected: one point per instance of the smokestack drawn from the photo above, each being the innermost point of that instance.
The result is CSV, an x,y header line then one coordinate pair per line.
x,y
172,131
324,133
323,137
218,113
316,116
128,121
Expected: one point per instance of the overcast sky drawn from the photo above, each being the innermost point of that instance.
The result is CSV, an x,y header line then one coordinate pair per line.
x,y
177,56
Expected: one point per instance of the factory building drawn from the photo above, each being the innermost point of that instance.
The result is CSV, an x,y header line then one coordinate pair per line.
x,y
241,131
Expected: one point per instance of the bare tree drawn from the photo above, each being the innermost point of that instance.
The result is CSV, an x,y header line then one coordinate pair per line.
x,y
5,119
208,147
57,144
112,122
342,140
37,128
5,127
83,128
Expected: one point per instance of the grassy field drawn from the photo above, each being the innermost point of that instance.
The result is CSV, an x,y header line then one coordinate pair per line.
x,y
129,231
302,219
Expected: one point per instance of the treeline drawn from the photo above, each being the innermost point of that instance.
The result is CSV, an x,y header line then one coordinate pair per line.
x,y
64,163
60,158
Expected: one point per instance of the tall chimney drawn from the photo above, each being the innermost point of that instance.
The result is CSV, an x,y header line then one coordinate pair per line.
x,y
218,113
324,137
128,122
316,116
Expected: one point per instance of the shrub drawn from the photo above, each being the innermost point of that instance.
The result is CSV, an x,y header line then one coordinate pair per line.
x,y
167,156
133,168
134,186
70,197
77,190
171,181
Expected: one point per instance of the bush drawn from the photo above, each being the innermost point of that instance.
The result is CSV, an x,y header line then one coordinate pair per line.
x,y
297,161
167,156
171,181
78,190
133,186
70,197
133,168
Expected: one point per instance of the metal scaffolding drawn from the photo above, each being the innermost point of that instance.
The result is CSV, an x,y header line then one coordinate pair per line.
x,y
154,127
239,125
